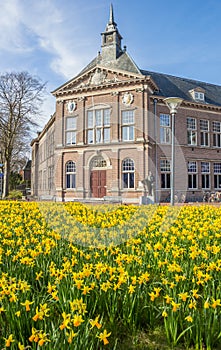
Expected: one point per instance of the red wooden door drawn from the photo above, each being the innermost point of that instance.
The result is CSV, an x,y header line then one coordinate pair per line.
x,y
98,183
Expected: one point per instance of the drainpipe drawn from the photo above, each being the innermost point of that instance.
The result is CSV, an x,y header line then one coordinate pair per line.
x,y
155,140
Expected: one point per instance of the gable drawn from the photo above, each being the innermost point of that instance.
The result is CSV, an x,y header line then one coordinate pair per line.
x,y
97,77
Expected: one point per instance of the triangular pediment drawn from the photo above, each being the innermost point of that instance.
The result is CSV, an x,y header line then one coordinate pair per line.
x,y
96,77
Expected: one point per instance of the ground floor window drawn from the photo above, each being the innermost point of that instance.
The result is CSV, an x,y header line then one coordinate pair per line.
x,y
217,176
128,171
205,175
192,175
165,173
70,174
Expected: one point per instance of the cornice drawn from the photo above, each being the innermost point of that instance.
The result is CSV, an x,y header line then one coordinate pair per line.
x,y
190,104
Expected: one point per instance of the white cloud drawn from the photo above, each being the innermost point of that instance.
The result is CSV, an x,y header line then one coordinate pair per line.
x,y
40,25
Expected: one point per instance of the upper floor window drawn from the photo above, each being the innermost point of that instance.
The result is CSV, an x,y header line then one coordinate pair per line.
x,y
165,131
216,128
199,96
127,125
191,131
128,171
70,174
204,132
98,125
71,130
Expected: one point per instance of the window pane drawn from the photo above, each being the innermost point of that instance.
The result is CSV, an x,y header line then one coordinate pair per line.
x,y
164,120
191,137
106,117
127,117
217,168
131,133
204,125
131,175
90,136
192,167
90,119
71,138
98,136
125,180
71,123
191,123
107,135
216,126
98,117
205,167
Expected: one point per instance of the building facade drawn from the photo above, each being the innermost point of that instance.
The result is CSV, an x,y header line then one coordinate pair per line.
x,y
112,130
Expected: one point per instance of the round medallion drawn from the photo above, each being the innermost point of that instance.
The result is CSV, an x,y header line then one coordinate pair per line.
x,y
127,99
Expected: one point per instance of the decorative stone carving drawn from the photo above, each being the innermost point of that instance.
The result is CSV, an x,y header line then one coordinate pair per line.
x,y
127,99
71,106
98,77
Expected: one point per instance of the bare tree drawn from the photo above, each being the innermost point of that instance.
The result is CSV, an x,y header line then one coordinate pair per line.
x,y
21,97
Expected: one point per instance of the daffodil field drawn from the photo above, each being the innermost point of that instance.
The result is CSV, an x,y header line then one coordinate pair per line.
x,y
73,276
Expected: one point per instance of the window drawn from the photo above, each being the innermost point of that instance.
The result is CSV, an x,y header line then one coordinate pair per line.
x,y
128,125
70,174
165,173
191,131
205,175
199,96
98,124
204,132
165,131
216,128
44,182
217,175
71,130
50,177
192,175
128,171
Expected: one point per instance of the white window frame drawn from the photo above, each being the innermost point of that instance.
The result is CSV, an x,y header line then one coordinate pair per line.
x,y
217,175
205,175
128,121
191,131
199,96
216,129
71,131
204,133
165,128
70,175
128,174
98,126
192,175
165,174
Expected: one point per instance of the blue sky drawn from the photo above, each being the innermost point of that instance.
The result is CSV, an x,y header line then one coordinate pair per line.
x,y
55,39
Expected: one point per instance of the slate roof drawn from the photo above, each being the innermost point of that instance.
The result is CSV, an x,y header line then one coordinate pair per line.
x,y
172,86
123,62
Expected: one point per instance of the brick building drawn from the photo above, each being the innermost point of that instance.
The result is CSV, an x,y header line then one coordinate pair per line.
x,y
111,129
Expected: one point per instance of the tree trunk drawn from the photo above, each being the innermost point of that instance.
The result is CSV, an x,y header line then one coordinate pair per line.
x,y
6,178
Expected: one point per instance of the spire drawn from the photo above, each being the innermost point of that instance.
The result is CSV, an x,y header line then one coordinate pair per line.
x,y
111,20
111,25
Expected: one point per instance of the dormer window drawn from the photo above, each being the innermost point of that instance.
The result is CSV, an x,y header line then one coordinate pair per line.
x,y
198,94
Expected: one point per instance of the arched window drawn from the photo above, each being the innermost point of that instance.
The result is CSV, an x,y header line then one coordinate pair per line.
x,y
70,174
128,171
